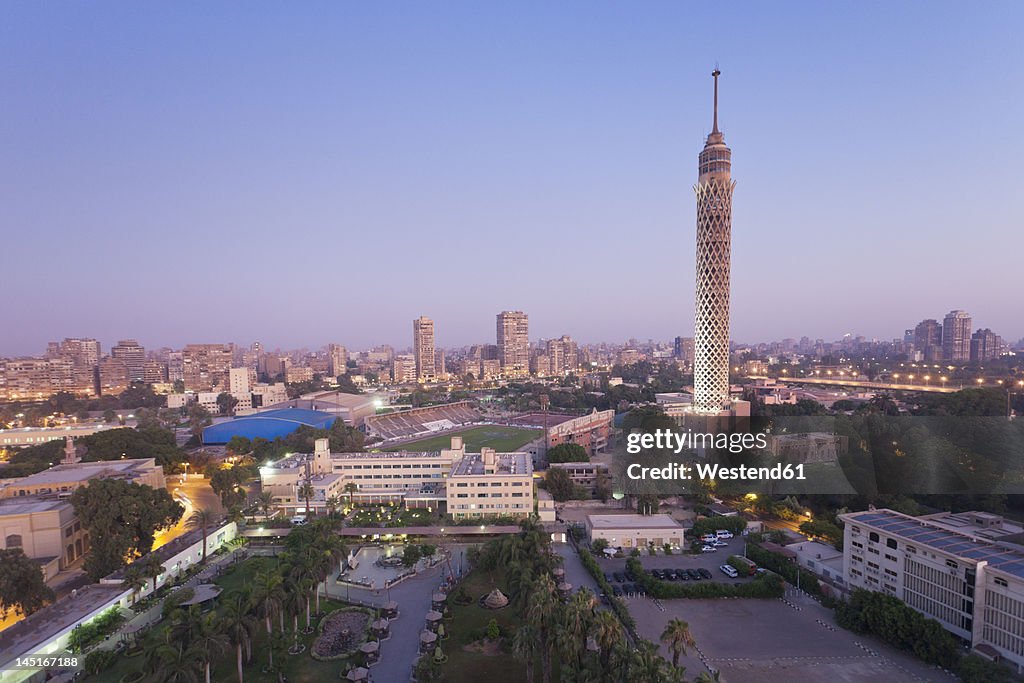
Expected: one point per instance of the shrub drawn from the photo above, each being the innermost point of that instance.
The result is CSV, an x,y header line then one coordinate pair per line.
x,y
99,661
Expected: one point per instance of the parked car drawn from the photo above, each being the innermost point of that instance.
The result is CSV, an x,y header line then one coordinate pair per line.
x,y
720,544
708,538
723,533
704,573
729,571
619,578
616,591
671,575
683,575
608,577
708,549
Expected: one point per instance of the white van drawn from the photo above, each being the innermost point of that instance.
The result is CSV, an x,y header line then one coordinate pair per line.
x,y
722,533
298,520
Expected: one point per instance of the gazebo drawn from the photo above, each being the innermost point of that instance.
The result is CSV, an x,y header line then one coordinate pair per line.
x,y
427,640
357,674
391,609
565,588
438,600
495,600
371,649
433,619
380,627
558,572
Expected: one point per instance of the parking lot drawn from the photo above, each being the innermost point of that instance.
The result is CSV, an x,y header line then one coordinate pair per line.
x,y
794,640
710,562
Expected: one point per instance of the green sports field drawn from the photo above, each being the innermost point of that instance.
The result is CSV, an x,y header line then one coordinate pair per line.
x,y
501,439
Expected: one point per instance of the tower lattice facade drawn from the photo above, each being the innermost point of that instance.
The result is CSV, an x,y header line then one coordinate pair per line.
x,y
714,248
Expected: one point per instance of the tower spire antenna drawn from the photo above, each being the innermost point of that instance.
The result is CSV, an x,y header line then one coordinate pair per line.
x,y
716,73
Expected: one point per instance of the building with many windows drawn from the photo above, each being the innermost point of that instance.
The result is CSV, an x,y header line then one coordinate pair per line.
x,y
965,570
956,336
513,336
469,484
423,349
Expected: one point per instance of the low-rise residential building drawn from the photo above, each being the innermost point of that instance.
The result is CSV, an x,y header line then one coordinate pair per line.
x,y
964,570
585,474
45,528
635,531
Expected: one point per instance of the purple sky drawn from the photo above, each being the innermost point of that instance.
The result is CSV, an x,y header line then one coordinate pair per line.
x,y
236,171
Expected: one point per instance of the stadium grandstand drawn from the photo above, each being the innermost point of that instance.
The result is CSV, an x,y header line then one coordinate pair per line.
x,y
414,422
593,431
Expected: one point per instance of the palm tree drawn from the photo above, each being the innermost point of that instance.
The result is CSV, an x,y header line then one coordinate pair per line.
x,y
607,631
647,665
333,502
306,492
542,615
200,519
176,664
678,637
265,500
577,617
296,597
350,489
268,594
135,580
185,625
524,647
239,626
209,641
151,566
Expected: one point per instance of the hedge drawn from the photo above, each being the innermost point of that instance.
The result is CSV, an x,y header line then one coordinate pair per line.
x,y
617,605
766,586
784,567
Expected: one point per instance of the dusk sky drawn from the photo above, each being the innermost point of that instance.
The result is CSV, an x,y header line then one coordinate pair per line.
x,y
314,173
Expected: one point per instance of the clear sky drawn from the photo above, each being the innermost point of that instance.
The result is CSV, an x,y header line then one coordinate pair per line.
x,y
313,173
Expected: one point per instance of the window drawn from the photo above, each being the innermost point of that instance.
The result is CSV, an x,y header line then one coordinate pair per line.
x,y
873,537
891,542
14,541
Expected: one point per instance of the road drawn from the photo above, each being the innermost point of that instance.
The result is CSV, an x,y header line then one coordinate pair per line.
x,y
195,494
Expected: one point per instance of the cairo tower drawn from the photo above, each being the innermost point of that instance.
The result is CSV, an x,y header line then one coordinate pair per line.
x,y
714,246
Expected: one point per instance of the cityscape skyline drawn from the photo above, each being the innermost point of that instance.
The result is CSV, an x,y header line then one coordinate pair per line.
x,y
555,186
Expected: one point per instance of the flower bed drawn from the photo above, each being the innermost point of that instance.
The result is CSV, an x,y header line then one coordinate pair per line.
x,y
341,633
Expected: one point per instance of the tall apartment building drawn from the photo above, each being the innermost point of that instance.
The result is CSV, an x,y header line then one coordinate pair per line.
x,y
986,345
296,374
205,367
928,340
423,349
403,369
133,356
956,336
154,372
82,352
563,355
964,570
440,366
35,379
682,349
113,376
513,334
338,360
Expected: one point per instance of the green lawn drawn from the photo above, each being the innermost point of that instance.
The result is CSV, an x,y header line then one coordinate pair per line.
x,y
301,668
467,621
501,439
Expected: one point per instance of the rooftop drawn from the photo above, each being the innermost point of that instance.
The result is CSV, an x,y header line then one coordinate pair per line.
x,y
28,504
963,544
82,471
472,464
35,630
633,521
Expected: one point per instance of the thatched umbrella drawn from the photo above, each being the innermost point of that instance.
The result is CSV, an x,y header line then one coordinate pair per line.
x,y
427,638
357,674
496,599
380,626
433,616
391,608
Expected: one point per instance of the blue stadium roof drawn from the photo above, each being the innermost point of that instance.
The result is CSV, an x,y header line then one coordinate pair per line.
x,y
267,425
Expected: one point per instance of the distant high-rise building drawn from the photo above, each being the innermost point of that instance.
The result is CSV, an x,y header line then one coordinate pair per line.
x,y
683,349
439,363
986,345
129,352
562,355
338,357
205,367
513,333
956,336
423,348
714,190
927,340
113,376
403,369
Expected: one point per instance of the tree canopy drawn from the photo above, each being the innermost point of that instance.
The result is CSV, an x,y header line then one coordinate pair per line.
x,y
22,588
122,519
568,452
